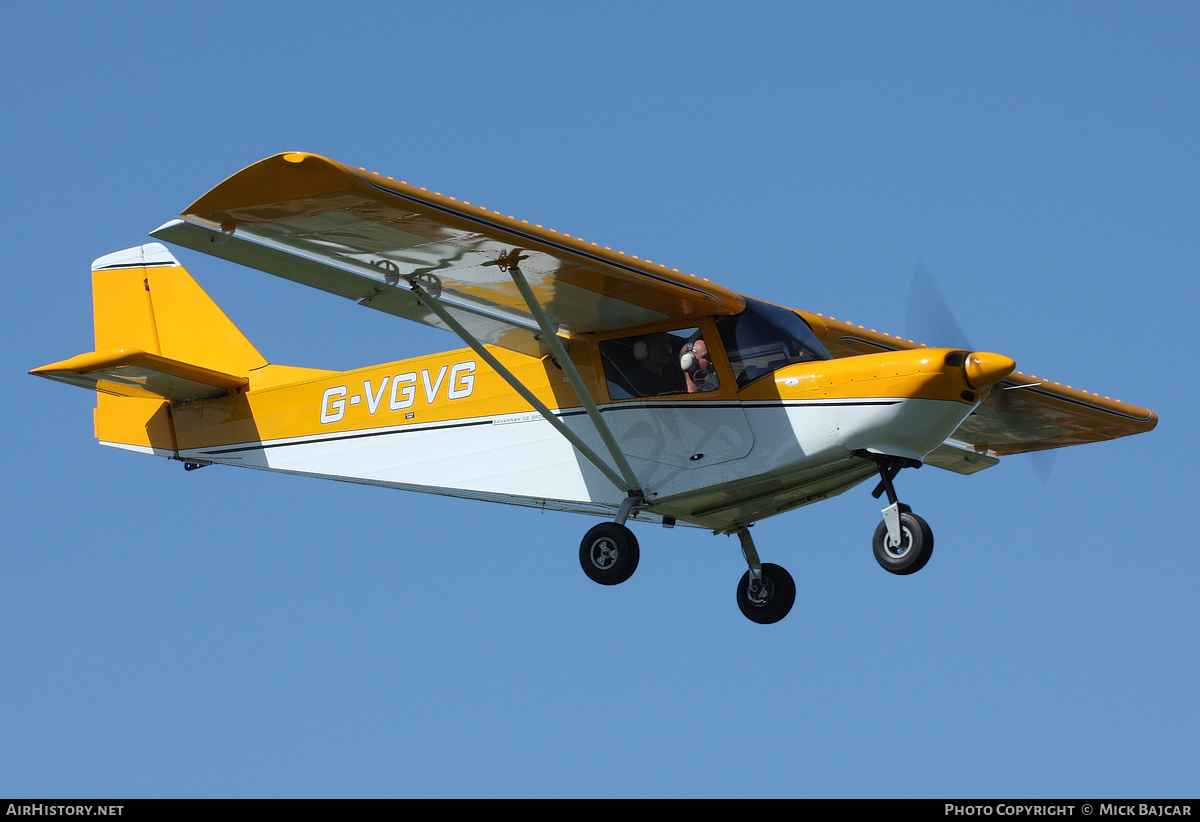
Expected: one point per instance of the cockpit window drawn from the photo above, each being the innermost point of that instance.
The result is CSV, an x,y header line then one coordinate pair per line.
x,y
764,338
659,364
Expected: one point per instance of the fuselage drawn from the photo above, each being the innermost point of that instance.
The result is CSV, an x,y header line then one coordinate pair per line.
x,y
448,424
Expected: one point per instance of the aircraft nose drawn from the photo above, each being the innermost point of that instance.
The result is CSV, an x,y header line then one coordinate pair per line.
x,y
984,368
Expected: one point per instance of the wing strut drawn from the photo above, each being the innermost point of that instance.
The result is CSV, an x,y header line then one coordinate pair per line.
x,y
550,337
427,300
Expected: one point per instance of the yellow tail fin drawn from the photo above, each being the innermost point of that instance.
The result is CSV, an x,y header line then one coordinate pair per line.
x,y
159,338
143,298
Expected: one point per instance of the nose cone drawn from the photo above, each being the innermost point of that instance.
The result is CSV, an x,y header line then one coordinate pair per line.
x,y
984,368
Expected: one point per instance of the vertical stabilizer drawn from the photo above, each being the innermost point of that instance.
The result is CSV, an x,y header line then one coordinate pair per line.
x,y
143,298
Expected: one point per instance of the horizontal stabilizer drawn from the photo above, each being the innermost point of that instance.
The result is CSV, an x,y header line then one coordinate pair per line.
x,y
131,372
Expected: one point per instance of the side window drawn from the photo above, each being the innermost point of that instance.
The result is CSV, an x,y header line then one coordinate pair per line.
x,y
653,365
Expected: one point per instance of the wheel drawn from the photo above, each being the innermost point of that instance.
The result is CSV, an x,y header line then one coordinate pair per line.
x,y
772,601
916,546
609,553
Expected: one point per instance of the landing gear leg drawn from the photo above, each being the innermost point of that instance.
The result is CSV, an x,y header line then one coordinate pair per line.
x,y
766,592
903,541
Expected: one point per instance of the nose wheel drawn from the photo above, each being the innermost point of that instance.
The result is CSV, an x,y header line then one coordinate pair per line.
x,y
908,554
903,541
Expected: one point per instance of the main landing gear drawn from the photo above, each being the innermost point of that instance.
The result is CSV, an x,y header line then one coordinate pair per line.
x,y
609,555
766,592
609,552
903,541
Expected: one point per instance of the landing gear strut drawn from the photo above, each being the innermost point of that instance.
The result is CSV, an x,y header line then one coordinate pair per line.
x,y
766,592
903,541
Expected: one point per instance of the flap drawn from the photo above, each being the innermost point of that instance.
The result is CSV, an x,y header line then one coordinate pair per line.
x,y
952,456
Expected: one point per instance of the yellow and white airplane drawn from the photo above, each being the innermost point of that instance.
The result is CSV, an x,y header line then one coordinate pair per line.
x,y
592,381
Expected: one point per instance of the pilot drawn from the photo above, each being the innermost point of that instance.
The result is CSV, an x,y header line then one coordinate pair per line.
x,y
657,371
697,366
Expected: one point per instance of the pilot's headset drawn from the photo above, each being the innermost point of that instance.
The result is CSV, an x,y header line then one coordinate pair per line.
x,y
690,363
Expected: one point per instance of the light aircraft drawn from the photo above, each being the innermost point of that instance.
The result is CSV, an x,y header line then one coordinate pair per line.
x,y
593,381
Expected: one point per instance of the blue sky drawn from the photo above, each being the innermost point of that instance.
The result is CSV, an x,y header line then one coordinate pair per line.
x,y
238,633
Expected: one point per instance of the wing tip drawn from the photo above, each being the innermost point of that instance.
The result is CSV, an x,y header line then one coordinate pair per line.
x,y
281,177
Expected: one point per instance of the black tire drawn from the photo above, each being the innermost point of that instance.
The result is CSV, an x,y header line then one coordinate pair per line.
x,y
609,553
774,602
915,549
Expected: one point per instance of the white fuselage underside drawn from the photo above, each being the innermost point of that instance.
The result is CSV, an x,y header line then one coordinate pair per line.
x,y
682,453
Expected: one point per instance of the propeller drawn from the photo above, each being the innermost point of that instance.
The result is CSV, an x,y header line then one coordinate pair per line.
x,y
931,321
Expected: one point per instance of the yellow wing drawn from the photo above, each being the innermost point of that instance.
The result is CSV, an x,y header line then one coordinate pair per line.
x,y
1022,413
369,238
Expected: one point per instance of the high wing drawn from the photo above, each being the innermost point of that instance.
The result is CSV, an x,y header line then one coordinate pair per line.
x,y
1022,413
370,238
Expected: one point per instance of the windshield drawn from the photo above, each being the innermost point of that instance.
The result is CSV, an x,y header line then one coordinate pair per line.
x,y
764,338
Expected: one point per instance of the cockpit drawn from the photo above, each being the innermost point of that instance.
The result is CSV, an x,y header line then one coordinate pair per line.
x,y
760,340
